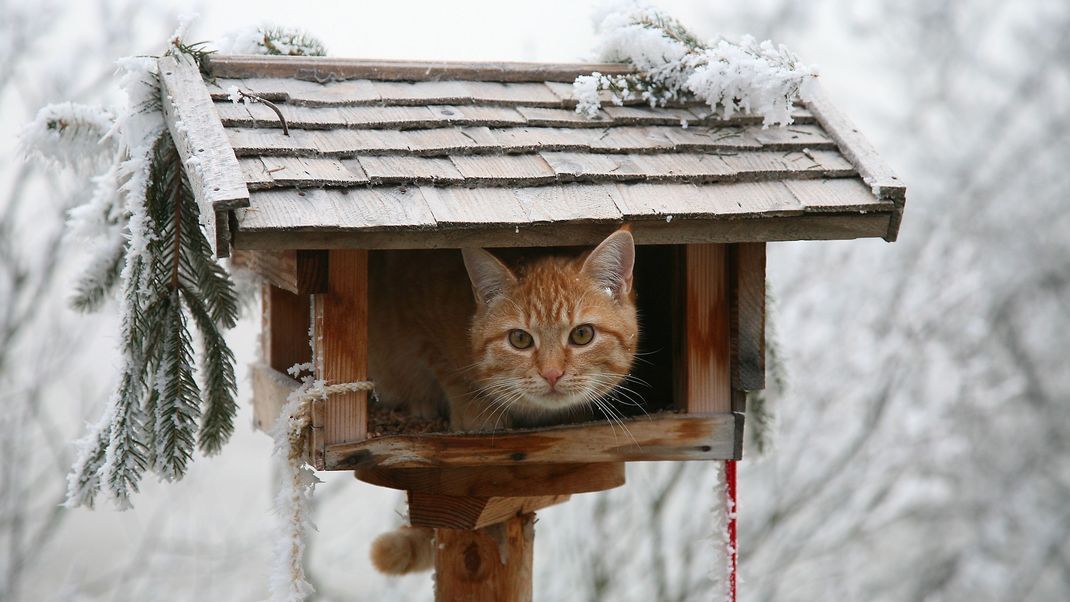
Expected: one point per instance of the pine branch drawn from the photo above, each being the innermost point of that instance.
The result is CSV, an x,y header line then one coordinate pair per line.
x,y
102,274
178,405
219,383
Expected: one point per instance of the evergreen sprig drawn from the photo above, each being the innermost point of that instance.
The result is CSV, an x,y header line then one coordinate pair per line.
x,y
288,41
160,413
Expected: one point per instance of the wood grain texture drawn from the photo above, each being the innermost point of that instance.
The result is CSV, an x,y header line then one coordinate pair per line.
x,y
329,69
366,209
856,149
214,175
456,512
487,565
340,344
707,334
707,229
496,481
747,276
270,390
285,328
299,272
662,437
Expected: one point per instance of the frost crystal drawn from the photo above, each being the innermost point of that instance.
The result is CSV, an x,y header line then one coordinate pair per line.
x,y
672,64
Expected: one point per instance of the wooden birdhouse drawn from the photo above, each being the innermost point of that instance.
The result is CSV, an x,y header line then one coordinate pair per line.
x,y
356,158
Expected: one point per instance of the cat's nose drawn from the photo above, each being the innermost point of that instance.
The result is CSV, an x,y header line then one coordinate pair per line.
x,y
551,375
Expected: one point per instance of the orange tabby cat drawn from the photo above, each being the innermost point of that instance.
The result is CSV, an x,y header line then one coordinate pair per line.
x,y
539,343
522,346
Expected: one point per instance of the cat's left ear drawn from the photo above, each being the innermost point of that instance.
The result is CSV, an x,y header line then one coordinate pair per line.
x,y
611,262
490,277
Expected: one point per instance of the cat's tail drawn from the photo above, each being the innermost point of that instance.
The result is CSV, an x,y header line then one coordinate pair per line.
x,y
404,550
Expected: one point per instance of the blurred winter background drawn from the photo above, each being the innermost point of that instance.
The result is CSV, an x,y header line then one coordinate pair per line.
x,y
920,445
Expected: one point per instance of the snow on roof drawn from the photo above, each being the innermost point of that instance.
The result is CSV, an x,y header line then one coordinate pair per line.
x,y
392,154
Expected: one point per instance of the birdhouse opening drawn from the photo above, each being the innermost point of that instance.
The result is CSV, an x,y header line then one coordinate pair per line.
x,y
700,309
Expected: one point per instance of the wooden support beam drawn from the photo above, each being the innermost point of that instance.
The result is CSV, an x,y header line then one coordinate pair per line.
x,y
462,512
705,341
491,481
747,267
302,272
486,565
340,351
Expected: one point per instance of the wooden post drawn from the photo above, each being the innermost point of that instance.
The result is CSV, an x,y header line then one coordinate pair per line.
x,y
492,564
340,345
705,368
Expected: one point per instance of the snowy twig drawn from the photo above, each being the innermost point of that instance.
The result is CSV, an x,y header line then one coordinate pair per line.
x,y
237,95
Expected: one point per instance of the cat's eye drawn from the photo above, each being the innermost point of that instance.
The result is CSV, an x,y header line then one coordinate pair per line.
x,y
520,339
581,335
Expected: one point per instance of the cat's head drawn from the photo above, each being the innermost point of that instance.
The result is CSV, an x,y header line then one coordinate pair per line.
x,y
556,333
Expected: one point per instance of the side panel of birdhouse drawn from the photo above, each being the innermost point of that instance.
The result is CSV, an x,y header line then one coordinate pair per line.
x,y
340,350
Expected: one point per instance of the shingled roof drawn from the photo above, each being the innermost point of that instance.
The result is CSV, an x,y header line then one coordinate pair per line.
x,y
406,155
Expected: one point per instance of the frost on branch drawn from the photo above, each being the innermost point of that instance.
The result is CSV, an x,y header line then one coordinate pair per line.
x,y
69,134
672,64
271,39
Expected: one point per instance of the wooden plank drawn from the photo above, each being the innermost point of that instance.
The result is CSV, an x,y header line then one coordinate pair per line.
x,y
334,69
311,172
297,271
338,209
841,194
569,203
793,136
726,138
399,169
340,345
747,275
271,389
644,114
661,437
696,141
854,146
491,481
831,226
687,201
455,512
488,565
255,174
430,142
514,170
472,206
555,117
707,331
477,115
214,175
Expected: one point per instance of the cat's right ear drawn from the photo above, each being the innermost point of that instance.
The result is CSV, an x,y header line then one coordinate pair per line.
x,y
490,277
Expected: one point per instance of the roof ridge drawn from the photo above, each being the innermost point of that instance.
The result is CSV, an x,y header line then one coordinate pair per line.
x,y
324,69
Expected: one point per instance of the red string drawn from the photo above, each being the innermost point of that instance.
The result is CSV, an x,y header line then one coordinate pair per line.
x,y
733,511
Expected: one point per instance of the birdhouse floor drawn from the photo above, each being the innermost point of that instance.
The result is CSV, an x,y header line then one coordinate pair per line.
x,y
660,436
